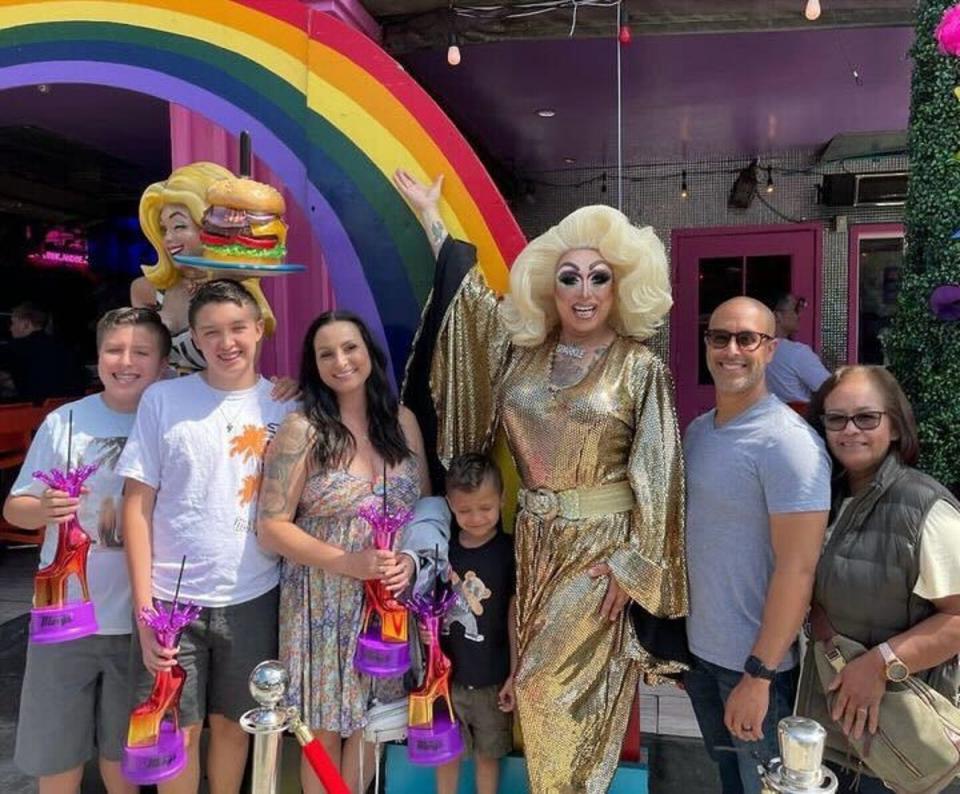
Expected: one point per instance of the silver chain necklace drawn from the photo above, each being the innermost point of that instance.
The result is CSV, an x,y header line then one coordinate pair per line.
x,y
230,420
571,351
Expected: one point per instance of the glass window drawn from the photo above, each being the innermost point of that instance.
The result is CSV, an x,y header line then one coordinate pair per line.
x,y
880,260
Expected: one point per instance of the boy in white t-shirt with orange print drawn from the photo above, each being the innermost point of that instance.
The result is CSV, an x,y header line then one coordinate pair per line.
x,y
193,466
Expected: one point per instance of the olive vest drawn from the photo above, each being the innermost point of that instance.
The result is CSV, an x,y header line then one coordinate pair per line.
x,y
871,563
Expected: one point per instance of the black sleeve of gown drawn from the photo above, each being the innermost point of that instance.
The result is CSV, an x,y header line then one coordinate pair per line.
x,y
455,260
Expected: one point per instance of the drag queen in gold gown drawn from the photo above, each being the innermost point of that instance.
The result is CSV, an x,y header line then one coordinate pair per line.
x,y
559,366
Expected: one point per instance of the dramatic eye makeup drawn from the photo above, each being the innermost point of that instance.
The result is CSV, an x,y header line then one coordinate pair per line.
x,y
570,275
600,277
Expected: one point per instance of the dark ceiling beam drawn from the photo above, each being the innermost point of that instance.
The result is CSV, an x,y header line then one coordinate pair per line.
x,y
410,25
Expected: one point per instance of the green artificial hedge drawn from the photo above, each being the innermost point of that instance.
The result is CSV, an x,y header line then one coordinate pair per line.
x,y
924,353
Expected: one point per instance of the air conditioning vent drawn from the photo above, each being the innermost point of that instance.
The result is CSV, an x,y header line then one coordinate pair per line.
x,y
864,190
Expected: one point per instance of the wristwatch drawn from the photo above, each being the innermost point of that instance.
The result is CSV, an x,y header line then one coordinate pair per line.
x,y
897,671
754,668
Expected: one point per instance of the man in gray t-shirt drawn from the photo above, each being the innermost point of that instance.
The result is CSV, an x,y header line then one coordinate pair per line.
x,y
758,492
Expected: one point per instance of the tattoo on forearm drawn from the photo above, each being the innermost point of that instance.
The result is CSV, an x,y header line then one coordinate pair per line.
x,y
286,453
437,232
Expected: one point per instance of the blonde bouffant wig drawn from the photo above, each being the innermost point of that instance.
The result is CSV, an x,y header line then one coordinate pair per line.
x,y
640,272
186,185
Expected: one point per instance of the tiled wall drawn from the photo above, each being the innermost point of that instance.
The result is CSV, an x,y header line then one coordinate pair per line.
x,y
651,195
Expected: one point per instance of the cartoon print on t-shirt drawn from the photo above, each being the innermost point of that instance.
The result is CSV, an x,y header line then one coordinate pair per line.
x,y
471,592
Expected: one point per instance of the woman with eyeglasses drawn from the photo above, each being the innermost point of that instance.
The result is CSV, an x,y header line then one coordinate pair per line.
x,y
889,575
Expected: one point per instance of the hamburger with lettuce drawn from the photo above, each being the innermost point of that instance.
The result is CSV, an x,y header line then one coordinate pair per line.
x,y
244,225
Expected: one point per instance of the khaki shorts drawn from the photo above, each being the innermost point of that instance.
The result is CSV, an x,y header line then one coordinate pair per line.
x,y
219,650
487,731
75,701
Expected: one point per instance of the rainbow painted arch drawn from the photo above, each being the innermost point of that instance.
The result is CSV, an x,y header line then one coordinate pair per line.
x,y
329,111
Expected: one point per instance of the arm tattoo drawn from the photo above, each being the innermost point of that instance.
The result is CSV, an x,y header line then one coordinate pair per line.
x,y
285,458
437,232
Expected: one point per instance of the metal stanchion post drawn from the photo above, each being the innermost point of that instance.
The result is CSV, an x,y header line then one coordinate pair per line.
x,y
799,768
268,685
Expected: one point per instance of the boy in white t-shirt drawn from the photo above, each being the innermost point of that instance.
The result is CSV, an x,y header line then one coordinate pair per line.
x,y
75,694
193,465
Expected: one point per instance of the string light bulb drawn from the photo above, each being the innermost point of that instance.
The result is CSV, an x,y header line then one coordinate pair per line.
x,y
769,179
453,47
624,36
603,182
684,193
453,51
812,10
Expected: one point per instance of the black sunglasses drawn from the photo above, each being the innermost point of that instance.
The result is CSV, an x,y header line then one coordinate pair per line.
x,y
865,420
746,340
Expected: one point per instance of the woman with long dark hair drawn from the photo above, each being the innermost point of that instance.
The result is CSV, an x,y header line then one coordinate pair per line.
x,y
351,445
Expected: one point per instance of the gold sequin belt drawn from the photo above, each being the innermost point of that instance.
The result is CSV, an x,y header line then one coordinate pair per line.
x,y
576,503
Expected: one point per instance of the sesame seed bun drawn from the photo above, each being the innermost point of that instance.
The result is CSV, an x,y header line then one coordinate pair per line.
x,y
246,194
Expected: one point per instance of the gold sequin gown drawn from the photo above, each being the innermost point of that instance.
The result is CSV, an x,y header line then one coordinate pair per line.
x,y
577,674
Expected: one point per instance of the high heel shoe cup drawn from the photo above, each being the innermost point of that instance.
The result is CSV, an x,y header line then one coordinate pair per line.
x,y
433,736
155,749
53,618
383,649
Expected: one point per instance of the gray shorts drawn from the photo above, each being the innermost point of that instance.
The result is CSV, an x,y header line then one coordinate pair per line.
x,y
486,730
218,651
75,701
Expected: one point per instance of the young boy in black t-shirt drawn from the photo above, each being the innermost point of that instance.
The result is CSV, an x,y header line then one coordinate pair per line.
x,y
480,631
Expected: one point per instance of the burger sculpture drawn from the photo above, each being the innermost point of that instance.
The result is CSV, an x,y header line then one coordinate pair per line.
x,y
244,223
243,230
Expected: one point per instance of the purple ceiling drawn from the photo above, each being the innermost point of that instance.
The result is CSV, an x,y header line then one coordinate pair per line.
x,y
134,127
684,96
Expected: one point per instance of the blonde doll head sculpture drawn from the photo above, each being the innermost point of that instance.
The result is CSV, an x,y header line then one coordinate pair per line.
x,y
171,214
594,268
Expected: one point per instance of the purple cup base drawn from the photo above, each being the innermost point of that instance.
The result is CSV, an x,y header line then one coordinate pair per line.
x,y
49,625
379,658
156,762
437,744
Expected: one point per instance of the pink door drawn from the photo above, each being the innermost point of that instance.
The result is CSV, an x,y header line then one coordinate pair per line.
x,y
713,265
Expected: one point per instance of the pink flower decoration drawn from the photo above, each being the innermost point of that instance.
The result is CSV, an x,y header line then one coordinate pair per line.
x,y
948,31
